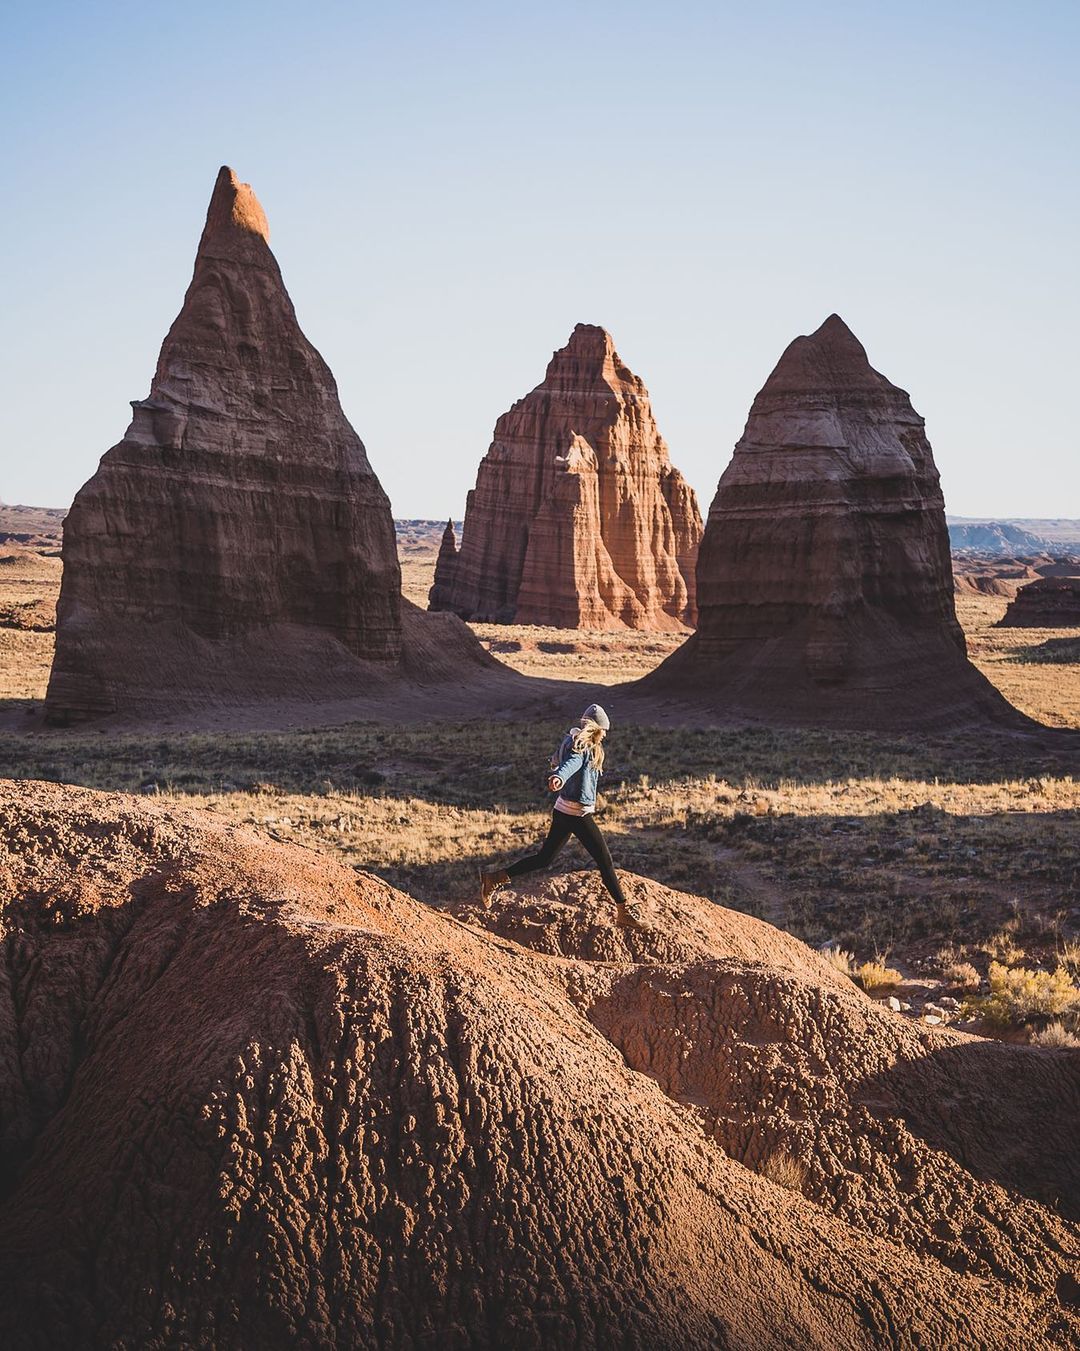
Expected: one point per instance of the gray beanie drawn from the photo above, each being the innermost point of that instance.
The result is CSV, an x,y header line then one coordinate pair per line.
x,y
594,713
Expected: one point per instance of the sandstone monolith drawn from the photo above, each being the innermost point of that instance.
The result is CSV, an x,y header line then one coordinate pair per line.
x,y
824,582
578,518
440,597
236,544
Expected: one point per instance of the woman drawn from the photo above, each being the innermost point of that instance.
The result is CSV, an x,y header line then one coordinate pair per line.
x,y
576,770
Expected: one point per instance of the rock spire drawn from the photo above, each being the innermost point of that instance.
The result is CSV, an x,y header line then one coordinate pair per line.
x,y
578,518
824,578
236,543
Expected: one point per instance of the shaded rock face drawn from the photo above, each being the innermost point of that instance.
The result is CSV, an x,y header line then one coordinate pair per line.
x,y
578,518
440,597
1052,602
236,541
252,1098
825,590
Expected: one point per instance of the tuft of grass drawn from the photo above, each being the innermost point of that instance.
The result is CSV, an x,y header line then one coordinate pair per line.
x,y
843,961
876,975
785,1171
961,976
1019,993
1001,946
1069,957
1056,1035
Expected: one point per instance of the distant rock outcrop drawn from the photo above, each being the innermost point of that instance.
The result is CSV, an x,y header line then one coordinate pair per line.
x,y
578,518
1049,603
825,592
994,537
250,1097
442,592
236,544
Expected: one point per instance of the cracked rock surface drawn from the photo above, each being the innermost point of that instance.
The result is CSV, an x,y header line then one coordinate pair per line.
x,y
252,1098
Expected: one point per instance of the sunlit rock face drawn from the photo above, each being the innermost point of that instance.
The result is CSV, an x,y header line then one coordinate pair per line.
x,y
824,576
578,518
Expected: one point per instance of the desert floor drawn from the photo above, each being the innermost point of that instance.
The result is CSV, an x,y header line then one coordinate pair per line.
x,y
922,854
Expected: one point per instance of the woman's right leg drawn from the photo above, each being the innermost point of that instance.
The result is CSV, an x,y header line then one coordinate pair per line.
x,y
588,832
558,834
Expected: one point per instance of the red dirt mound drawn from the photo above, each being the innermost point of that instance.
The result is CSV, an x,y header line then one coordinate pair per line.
x,y
250,1098
570,915
959,1148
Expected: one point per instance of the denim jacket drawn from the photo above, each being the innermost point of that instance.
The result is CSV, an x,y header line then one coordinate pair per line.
x,y
579,776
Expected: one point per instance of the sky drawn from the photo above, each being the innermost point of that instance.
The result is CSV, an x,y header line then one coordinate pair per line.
x,y
452,186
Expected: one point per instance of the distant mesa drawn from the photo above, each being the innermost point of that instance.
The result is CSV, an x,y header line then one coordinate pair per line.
x,y
994,537
578,518
824,579
236,544
1048,603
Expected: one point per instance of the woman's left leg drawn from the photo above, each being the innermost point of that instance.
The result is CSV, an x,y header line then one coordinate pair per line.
x,y
588,832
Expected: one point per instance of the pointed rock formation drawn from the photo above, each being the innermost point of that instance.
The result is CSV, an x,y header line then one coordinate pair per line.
x,y
1049,603
578,518
440,597
236,544
824,580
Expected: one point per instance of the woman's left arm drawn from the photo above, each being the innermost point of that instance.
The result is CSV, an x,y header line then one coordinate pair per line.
x,y
566,770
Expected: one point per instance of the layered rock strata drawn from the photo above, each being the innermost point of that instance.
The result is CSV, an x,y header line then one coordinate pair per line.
x,y
825,591
1049,603
236,544
578,518
250,1097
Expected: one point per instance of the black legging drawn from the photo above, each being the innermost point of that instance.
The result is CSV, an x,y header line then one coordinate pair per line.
x,y
588,832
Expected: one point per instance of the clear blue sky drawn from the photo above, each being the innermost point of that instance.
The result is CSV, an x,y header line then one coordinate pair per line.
x,y
451,187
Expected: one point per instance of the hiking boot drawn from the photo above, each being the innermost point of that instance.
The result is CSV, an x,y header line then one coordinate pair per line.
x,y
490,883
630,916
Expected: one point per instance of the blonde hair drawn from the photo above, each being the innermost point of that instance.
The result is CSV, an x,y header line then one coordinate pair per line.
x,y
589,740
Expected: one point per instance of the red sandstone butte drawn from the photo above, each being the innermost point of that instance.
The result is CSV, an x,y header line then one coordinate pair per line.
x,y
578,518
236,545
825,591
1048,603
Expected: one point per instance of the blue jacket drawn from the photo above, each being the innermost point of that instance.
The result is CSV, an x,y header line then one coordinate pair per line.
x,y
579,776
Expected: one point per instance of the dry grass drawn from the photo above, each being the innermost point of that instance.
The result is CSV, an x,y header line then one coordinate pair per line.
x,y
29,584
1048,691
785,1171
859,842
842,961
961,976
1069,957
1018,994
875,975
1056,1035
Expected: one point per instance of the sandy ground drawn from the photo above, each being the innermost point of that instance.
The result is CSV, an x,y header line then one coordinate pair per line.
x,y
922,852
1027,665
